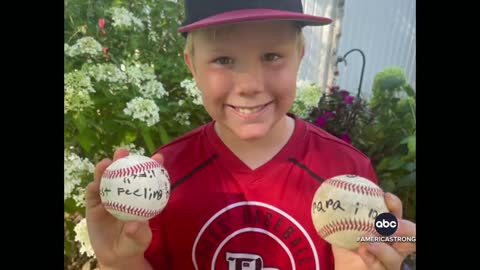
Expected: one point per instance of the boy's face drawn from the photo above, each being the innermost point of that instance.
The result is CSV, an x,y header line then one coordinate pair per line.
x,y
247,74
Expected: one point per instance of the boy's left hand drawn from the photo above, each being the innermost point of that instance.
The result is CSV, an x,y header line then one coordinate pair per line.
x,y
385,255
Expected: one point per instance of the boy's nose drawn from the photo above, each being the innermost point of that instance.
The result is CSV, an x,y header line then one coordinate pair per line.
x,y
249,82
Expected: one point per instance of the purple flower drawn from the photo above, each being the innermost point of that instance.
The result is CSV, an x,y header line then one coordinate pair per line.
x,y
346,138
328,115
348,99
320,121
344,93
334,88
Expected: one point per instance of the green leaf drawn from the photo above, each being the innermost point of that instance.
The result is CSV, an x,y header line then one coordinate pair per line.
x,y
80,121
391,163
412,144
129,136
409,90
410,166
388,185
70,206
86,139
163,135
147,138
389,78
408,180
163,109
68,248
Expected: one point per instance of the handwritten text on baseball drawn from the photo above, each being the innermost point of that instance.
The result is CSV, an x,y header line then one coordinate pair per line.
x,y
334,205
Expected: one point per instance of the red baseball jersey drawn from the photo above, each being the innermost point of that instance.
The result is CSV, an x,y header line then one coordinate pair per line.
x,y
223,215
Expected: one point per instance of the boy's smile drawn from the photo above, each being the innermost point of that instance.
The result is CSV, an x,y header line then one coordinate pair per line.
x,y
250,112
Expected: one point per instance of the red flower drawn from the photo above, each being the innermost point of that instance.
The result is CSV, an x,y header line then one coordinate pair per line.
x,y
105,52
101,23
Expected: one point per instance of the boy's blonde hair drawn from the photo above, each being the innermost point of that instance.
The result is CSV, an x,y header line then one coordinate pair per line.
x,y
190,48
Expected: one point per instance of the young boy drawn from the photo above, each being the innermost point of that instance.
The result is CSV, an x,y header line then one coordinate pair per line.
x,y
242,185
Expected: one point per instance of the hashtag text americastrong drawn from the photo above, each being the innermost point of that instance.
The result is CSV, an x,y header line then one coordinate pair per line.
x,y
387,239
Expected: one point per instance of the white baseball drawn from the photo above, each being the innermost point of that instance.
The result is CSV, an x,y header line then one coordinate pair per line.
x,y
135,188
345,207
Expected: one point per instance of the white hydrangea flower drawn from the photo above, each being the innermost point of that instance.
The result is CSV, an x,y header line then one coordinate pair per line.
x,y
139,73
136,54
66,49
132,148
144,110
182,118
107,72
79,198
81,236
124,18
147,9
143,76
69,186
78,79
76,101
306,98
85,45
153,89
153,36
116,88
75,168
77,86
192,91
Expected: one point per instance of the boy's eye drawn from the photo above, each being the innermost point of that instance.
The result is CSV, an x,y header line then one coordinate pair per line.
x,y
270,57
223,60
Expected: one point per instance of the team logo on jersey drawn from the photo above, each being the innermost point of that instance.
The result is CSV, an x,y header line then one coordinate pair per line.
x,y
245,261
253,236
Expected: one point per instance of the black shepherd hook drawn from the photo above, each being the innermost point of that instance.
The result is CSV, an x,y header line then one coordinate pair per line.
x,y
344,59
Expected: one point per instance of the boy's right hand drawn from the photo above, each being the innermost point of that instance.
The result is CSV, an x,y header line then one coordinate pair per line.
x,y
115,242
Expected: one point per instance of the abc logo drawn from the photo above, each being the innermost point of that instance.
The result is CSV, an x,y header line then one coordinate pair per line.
x,y
386,224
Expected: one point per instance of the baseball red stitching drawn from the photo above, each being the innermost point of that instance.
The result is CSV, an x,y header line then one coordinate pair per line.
x,y
370,191
131,210
346,225
108,174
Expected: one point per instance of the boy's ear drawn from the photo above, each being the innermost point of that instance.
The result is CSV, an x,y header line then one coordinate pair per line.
x,y
189,62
